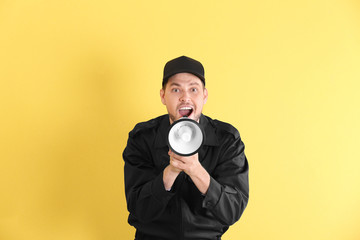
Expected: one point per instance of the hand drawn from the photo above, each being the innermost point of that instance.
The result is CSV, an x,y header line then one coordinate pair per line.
x,y
190,165
170,174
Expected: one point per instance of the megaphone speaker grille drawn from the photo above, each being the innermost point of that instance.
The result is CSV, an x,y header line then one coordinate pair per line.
x,y
185,137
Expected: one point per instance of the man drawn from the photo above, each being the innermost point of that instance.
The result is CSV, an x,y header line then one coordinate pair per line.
x,y
175,197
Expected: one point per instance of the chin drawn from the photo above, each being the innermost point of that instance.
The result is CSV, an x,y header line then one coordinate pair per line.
x,y
194,117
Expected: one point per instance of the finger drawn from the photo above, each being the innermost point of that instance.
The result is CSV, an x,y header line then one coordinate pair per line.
x,y
181,160
177,163
175,156
172,154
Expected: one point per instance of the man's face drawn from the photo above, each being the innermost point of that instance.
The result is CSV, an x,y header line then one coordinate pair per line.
x,y
184,95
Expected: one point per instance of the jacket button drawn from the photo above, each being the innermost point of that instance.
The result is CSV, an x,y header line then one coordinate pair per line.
x,y
208,204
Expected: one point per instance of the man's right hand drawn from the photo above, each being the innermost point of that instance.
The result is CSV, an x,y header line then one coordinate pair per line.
x,y
169,176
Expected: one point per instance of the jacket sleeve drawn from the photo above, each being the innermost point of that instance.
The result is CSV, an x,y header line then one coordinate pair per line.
x,y
144,188
228,192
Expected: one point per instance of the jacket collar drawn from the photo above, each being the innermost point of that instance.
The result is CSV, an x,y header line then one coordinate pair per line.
x,y
205,123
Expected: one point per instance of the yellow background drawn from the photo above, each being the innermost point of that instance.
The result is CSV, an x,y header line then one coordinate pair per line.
x,y
76,76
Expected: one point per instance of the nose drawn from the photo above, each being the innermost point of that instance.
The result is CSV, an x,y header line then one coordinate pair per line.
x,y
185,97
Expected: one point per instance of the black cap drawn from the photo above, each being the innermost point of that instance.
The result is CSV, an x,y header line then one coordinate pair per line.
x,y
183,64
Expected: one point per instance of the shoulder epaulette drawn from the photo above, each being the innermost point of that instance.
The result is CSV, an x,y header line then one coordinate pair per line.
x,y
227,127
143,126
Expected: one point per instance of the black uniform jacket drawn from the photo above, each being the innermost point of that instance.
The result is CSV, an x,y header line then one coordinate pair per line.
x,y
183,212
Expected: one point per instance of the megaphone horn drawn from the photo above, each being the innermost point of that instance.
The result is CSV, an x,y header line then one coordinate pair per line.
x,y
185,137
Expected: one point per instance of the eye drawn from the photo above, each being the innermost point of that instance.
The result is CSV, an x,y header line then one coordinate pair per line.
x,y
175,90
193,89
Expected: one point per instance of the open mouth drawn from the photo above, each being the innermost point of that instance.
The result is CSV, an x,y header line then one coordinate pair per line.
x,y
185,111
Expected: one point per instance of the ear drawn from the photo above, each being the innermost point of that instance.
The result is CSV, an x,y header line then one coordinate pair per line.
x,y
162,96
205,95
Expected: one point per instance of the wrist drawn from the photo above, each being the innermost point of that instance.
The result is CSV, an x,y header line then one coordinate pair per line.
x,y
169,176
196,170
201,179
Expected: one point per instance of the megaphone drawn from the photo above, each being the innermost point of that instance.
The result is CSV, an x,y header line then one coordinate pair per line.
x,y
185,137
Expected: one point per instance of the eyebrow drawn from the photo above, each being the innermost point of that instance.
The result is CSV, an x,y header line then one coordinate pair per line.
x,y
194,83
178,85
174,84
